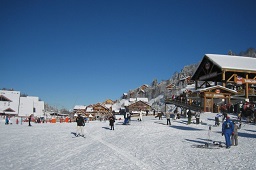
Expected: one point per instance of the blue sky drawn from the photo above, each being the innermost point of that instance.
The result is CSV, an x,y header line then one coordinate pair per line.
x,y
80,52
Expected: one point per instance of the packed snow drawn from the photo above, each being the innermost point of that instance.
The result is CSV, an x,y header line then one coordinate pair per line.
x,y
149,144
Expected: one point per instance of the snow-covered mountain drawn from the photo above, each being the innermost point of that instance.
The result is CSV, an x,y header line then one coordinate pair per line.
x,y
157,92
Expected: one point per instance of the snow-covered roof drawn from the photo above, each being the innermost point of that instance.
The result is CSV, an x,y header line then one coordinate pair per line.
x,y
108,105
184,78
142,99
78,107
218,86
233,62
120,105
89,109
132,100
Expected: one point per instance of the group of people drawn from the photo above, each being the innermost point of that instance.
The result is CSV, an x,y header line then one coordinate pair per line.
x,y
177,115
229,128
81,123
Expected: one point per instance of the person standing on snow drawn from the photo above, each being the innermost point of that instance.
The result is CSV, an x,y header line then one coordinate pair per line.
x,y
189,116
197,117
80,125
224,112
6,120
227,131
29,120
140,118
217,120
111,122
234,137
168,118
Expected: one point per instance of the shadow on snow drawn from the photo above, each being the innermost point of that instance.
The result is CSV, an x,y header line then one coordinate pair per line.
x,y
196,141
184,127
107,128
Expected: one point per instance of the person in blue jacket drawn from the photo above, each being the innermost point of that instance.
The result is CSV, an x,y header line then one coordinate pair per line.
x,y
6,120
227,131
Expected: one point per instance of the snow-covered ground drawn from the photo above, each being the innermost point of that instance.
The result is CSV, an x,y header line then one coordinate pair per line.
x,y
149,144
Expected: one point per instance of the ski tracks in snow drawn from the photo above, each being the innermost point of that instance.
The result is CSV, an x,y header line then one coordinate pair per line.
x,y
125,154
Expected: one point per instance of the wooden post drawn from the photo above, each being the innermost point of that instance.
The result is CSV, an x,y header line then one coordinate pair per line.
x,y
204,103
246,88
223,78
212,104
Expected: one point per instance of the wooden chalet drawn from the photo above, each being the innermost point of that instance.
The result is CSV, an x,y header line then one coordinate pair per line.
x,y
170,86
109,101
212,96
97,111
225,77
99,108
185,81
79,109
139,105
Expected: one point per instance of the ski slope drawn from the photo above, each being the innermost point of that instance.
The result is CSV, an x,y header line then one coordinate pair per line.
x,y
149,144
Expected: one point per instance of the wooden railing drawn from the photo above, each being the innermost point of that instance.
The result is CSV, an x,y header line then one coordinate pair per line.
x,y
184,105
241,92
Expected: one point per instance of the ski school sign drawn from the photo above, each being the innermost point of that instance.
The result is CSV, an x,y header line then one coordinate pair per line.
x,y
241,80
250,81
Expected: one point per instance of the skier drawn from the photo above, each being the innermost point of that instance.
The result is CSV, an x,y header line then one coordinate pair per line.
x,y
227,130
111,122
80,125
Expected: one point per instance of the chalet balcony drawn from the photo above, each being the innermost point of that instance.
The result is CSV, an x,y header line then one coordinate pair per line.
x,y
241,92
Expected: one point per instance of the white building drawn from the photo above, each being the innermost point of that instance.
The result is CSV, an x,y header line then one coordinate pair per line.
x,y
26,106
9,102
12,104
31,105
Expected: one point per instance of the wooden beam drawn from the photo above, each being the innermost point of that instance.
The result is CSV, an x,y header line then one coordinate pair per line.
x,y
233,75
246,88
204,103
240,71
223,78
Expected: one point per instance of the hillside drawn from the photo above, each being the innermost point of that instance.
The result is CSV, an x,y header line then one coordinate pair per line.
x,y
157,92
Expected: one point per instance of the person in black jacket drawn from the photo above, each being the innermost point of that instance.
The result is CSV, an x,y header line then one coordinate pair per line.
x,y
29,120
111,122
189,113
80,125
